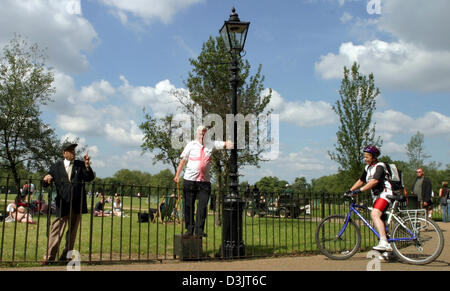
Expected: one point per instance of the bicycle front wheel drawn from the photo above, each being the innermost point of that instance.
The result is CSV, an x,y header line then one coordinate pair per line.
x,y
425,249
333,245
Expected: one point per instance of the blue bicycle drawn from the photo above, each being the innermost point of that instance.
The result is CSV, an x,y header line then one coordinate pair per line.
x,y
414,238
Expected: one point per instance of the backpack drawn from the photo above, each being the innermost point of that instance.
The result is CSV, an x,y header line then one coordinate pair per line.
x,y
395,178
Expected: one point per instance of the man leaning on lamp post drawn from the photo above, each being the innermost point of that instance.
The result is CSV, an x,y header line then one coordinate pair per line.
x,y
68,176
196,156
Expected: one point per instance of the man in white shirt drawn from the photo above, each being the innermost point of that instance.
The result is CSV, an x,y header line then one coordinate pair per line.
x,y
196,156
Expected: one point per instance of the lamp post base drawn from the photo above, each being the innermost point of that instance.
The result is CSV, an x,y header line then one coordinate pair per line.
x,y
232,239
232,251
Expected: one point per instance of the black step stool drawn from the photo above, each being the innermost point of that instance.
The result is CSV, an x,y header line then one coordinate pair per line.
x,y
187,247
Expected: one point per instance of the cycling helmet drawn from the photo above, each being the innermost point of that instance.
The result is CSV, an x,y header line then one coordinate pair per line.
x,y
372,150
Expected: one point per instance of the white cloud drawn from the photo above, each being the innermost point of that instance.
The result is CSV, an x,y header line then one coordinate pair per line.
x,y
77,124
418,57
392,122
159,99
109,120
148,10
391,147
422,23
52,25
346,17
306,162
434,124
66,92
303,114
396,65
127,134
97,91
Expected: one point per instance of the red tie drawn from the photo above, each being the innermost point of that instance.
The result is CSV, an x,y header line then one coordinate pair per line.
x,y
203,162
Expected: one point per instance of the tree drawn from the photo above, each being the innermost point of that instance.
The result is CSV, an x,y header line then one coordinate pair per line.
x,y
209,88
158,138
300,185
132,178
415,151
337,183
355,109
25,85
269,185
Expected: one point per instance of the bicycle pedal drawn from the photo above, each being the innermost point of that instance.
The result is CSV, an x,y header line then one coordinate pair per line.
x,y
381,256
385,256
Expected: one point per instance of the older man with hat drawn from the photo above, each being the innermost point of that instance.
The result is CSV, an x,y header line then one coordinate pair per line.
x,y
68,176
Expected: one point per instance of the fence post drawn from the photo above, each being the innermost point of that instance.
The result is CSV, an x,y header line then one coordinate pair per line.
x,y
91,222
322,198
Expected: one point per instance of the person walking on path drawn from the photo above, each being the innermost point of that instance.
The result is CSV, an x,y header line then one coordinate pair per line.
x,y
68,176
444,194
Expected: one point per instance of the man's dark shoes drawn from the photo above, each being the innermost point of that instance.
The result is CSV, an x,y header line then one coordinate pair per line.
x,y
63,259
46,262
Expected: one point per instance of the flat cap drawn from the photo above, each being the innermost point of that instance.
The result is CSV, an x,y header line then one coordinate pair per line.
x,y
68,145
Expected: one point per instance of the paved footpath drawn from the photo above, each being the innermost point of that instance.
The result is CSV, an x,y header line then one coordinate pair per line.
x,y
302,263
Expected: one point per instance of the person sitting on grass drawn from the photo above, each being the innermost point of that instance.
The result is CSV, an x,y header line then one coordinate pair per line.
x,y
117,207
18,212
99,208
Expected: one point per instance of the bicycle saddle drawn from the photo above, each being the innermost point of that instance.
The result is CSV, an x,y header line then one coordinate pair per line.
x,y
399,198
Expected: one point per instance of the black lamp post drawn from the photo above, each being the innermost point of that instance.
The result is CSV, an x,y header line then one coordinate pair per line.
x,y
234,34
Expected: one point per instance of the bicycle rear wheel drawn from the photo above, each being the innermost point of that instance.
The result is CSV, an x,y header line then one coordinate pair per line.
x,y
334,246
425,249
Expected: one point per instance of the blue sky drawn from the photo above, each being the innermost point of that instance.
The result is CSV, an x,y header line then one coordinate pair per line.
x,y
111,58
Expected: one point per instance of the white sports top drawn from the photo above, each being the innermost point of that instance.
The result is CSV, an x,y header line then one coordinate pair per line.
x,y
378,172
198,159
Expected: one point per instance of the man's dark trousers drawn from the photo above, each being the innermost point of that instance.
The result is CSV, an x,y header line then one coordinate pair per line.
x,y
191,191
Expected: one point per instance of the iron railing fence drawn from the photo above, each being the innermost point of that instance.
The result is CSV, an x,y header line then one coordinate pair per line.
x,y
148,220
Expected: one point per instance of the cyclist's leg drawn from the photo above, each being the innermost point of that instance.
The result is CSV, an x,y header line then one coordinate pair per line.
x,y
379,207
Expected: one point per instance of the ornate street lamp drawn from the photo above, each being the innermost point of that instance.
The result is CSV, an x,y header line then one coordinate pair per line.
x,y
234,34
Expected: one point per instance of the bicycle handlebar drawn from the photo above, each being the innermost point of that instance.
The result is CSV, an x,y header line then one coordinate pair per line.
x,y
348,195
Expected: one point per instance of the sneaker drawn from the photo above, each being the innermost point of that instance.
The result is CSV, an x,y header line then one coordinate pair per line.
x,y
383,246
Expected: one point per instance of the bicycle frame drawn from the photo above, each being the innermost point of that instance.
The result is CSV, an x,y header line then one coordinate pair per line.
x,y
353,209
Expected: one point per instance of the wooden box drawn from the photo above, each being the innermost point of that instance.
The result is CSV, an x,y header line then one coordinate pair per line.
x,y
187,247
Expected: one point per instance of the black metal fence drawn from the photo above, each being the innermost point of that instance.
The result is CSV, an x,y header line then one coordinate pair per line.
x,y
147,223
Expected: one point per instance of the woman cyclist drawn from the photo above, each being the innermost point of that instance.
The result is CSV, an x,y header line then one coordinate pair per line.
x,y
375,178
